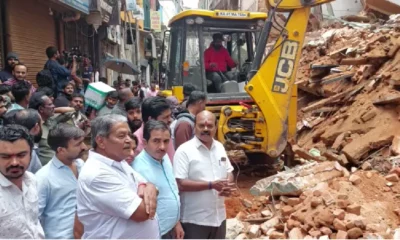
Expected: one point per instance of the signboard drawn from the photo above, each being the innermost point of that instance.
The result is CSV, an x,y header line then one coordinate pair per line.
x,y
233,14
139,13
155,21
131,5
114,34
80,5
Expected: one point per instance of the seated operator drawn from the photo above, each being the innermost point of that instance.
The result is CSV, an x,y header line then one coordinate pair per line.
x,y
216,60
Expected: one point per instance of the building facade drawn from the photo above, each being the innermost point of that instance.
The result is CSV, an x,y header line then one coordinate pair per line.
x,y
97,29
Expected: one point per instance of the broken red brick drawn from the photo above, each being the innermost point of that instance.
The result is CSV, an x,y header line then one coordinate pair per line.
x,y
293,201
368,116
287,210
341,234
328,198
350,225
277,235
395,148
392,177
324,218
315,202
339,214
354,233
315,233
292,224
397,212
342,203
360,224
354,209
326,231
317,193
296,233
354,179
339,225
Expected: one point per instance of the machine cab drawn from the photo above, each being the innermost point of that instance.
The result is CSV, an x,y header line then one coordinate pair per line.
x,y
190,36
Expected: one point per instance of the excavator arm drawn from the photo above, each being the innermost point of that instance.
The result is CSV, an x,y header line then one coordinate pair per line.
x,y
271,82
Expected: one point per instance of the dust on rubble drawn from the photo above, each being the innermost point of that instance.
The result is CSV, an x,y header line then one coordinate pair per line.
x,y
349,97
363,204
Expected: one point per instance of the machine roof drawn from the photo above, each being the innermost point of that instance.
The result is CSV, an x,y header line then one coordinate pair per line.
x,y
218,14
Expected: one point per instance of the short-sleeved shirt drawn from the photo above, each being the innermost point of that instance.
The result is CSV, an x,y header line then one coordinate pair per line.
x,y
15,106
196,162
57,199
19,214
161,174
107,197
150,93
35,163
140,145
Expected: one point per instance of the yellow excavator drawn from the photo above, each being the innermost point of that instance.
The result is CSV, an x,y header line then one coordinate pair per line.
x,y
257,109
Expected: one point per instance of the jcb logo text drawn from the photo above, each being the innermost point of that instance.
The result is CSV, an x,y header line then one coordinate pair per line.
x,y
285,67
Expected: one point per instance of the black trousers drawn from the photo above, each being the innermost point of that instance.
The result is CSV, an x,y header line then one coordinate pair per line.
x,y
169,235
193,231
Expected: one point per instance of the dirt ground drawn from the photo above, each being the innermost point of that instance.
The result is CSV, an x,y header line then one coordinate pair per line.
x,y
233,204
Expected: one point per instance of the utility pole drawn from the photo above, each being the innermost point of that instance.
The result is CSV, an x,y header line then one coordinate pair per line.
x,y
138,47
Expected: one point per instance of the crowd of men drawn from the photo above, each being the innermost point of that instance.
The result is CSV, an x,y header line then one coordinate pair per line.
x,y
153,168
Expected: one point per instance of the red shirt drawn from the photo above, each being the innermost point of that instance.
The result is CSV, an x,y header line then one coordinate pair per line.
x,y
220,57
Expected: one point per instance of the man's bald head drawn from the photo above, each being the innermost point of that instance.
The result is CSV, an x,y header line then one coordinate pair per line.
x,y
125,94
205,126
206,115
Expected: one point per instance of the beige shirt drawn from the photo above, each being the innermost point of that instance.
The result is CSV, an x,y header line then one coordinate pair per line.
x,y
19,210
194,161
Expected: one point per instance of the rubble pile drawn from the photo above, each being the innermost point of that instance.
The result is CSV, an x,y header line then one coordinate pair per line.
x,y
341,205
349,95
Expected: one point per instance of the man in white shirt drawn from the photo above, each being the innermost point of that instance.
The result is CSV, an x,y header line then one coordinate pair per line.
x,y
19,212
32,120
114,201
204,175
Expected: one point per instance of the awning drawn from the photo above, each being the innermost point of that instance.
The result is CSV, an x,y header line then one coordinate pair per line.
x,y
81,6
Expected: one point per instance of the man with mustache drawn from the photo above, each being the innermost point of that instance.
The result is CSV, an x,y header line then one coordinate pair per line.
x,y
57,181
30,119
184,127
133,109
153,164
114,201
44,105
216,61
18,193
204,175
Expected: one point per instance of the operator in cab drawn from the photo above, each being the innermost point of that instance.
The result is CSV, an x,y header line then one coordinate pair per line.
x,y
216,61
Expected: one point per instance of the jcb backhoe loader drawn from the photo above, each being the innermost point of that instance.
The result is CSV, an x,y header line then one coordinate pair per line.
x,y
261,119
